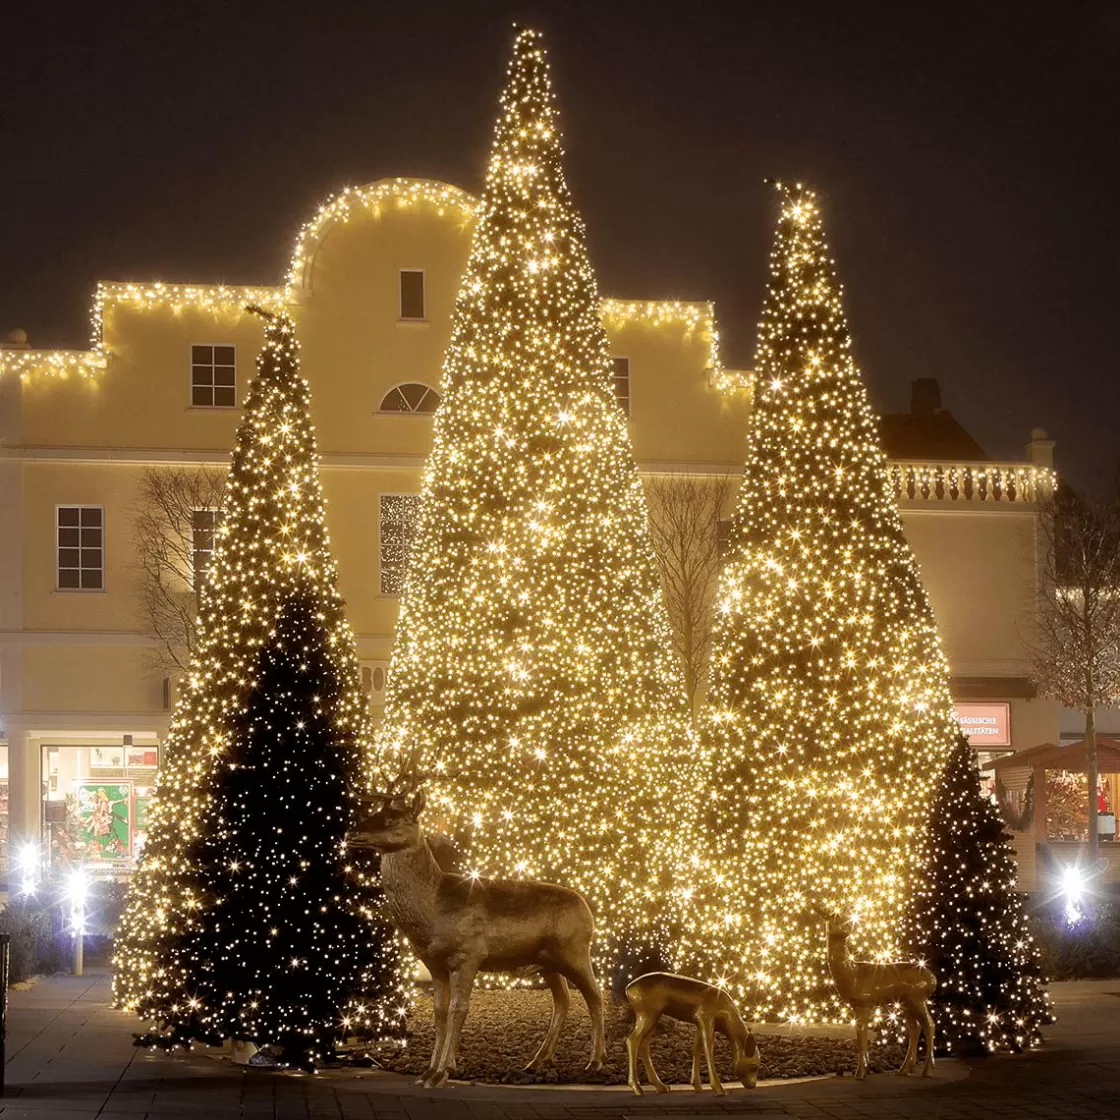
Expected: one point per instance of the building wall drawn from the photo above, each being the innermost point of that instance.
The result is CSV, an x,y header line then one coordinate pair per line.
x,y
77,667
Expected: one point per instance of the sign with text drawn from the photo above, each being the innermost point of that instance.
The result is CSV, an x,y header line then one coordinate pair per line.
x,y
985,725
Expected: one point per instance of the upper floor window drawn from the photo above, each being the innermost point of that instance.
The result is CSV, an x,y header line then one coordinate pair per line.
x,y
412,293
204,532
622,384
399,517
412,397
81,548
725,537
213,376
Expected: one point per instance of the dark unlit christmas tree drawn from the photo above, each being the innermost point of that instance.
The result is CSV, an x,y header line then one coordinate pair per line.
x,y
241,921
534,662
969,925
828,710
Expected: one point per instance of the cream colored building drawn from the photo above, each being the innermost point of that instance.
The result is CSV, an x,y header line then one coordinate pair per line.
x,y
372,286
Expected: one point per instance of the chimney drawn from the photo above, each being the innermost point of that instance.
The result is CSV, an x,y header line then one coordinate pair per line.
x,y
1040,450
925,397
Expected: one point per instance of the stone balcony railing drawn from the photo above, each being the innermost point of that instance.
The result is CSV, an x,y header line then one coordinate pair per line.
x,y
1021,483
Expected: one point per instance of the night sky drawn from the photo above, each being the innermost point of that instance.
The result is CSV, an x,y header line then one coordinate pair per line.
x,y
966,157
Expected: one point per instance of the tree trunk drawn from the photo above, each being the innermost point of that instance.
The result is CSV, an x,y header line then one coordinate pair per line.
x,y
1091,757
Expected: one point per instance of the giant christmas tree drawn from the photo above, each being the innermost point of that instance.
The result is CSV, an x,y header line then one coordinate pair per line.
x,y
969,924
240,920
534,664
829,712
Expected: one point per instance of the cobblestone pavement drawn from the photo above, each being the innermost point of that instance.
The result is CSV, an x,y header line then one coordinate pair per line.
x,y
71,1056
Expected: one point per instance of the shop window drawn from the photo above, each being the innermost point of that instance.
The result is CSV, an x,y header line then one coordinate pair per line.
x,y
96,802
411,397
80,533
213,376
412,293
622,384
399,516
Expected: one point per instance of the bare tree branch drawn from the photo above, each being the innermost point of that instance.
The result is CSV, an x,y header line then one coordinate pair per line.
x,y
1075,633
164,541
684,516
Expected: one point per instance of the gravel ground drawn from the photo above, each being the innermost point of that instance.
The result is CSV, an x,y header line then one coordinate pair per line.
x,y
504,1029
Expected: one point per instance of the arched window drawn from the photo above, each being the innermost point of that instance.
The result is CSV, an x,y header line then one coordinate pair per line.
x,y
410,397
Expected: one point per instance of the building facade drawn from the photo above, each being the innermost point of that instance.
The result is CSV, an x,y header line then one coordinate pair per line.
x,y
85,692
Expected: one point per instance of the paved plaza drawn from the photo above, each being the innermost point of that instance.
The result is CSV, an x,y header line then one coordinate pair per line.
x,y
71,1056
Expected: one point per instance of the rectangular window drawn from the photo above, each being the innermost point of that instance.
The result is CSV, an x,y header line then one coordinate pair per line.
x,y
622,384
399,515
412,293
204,530
213,376
81,548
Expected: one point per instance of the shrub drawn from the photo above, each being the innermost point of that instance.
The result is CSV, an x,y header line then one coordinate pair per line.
x,y
1090,949
35,938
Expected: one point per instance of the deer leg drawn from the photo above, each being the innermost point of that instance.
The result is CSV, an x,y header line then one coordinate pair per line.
x,y
647,1061
707,1033
582,975
461,982
559,988
911,1042
440,996
697,1054
633,1043
862,1018
927,1024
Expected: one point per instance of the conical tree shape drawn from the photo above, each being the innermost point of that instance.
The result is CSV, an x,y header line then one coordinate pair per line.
x,y
240,920
533,663
969,925
829,711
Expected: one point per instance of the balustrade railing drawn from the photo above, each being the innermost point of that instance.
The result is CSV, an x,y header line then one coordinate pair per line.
x,y
971,482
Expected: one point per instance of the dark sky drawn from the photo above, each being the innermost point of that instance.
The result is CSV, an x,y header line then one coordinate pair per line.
x,y
966,155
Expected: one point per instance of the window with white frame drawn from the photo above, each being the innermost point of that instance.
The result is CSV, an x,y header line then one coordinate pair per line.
x,y
204,531
213,375
399,516
622,384
413,396
412,293
80,534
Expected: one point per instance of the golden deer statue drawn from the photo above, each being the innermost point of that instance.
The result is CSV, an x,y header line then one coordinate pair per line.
x,y
691,1001
868,986
460,925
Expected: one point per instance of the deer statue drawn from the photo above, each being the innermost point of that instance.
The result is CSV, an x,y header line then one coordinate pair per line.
x,y
868,986
691,1001
460,925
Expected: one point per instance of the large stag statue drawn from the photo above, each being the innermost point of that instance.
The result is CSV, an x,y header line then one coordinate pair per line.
x,y
868,986
692,1001
461,925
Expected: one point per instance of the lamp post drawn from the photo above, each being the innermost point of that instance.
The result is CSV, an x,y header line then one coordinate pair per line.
x,y
77,888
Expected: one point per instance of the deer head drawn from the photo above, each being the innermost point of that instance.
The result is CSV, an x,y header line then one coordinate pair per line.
x,y
747,1063
388,822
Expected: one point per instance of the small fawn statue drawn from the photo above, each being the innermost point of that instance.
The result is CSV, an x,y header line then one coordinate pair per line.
x,y
459,925
868,986
691,1001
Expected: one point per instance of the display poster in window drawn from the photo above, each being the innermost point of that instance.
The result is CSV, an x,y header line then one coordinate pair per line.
x,y
104,813
141,757
106,758
141,812
985,725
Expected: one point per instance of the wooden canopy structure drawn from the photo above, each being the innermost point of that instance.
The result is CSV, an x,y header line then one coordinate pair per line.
x,y
1071,757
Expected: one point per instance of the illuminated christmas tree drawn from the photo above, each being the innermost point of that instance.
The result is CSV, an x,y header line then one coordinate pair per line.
x,y
240,920
969,925
829,712
534,662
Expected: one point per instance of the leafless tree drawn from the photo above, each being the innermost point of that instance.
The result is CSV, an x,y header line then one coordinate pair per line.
x,y
684,514
164,537
1075,641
